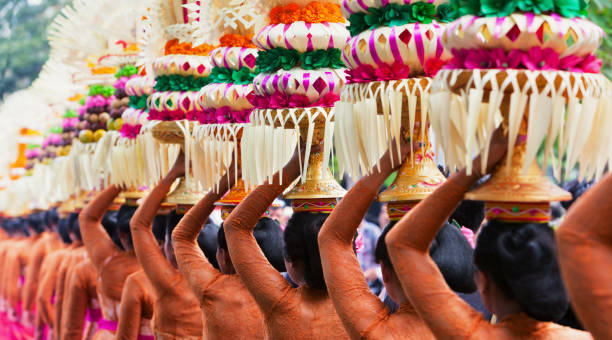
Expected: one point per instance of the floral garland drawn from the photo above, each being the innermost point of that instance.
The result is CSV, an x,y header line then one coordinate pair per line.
x,y
397,15
174,47
139,102
226,75
177,82
496,8
534,59
223,115
236,40
281,58
314,12
280,100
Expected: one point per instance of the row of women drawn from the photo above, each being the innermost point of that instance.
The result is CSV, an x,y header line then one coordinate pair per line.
x,y
143,273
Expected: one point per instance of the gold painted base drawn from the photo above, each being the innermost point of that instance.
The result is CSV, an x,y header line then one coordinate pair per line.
x,y
414,182
319,183
183,194
512,185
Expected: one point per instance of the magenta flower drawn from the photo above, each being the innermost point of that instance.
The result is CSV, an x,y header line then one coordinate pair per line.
x,y
591,64
570,63
541,59
478,59
500,59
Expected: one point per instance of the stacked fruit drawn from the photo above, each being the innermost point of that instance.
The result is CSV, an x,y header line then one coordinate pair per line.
x,y
70,125
94,115
122,98
52,143
34,154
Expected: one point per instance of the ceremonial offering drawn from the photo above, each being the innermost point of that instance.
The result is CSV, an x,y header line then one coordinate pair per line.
x,y
533,72
301,76
93,115
183,69
394,51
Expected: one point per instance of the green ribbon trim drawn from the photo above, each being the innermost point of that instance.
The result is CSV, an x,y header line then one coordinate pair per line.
x,y
226,75
126,71
502,8
398,15
278,58
139,102
97,89
177,82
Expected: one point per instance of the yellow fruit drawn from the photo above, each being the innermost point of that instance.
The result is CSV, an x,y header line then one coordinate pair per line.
x,y
118,123
98,135
86,136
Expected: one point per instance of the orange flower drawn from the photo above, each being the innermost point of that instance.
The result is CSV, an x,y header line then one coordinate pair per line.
x,y
236,40
174,47
313,12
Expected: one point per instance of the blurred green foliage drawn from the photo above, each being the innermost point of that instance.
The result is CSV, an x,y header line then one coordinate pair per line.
x,y
23,40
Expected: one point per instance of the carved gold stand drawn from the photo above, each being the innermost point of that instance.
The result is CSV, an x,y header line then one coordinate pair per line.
x,y
320,191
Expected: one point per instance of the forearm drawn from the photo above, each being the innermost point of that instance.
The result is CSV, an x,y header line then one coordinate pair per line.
x,y
96,240
153,262
190,259
96,209
585,247
418,228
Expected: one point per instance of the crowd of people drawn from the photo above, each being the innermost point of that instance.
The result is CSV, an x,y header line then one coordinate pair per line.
x,y
148,271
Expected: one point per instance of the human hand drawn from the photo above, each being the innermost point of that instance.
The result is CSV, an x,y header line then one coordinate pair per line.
x,y
178,169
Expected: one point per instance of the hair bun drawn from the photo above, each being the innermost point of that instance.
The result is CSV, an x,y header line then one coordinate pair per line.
x,y
527,256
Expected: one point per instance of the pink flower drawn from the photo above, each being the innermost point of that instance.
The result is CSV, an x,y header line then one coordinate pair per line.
x,y
130,131
541,59
432,66
359,242
476,59
223,115
327,100
502,60
570,63
241,116
458,60
277,100
591,64
192,115
299,100
469,236
176,115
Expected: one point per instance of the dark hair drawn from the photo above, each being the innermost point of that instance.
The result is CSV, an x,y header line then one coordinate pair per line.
x,y
576,188
73,225
207,240
36,221
51,217
522,261
124,216
109,222
268,235
301,245
63,229
173,220
159,228
450,251
469,214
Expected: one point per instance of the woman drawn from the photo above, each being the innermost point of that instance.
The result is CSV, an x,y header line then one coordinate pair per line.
x,y
363,314
177,314
113,264
81,308
68,263
517,274
585,255
231,312
305,312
